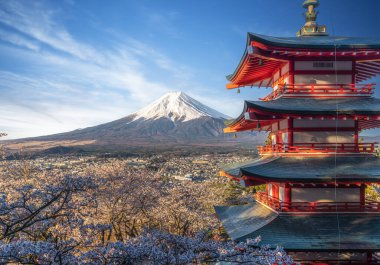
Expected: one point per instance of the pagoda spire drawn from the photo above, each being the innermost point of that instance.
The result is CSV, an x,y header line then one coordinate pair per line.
x,y
311,28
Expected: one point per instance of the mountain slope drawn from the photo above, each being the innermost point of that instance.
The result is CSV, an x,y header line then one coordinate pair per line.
x,y
173,118
177,106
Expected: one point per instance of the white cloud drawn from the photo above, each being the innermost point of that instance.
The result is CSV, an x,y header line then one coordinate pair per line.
x,y
37,21
65,83
19,40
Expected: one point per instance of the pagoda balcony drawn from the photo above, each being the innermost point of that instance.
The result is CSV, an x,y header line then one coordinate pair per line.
x,y
318,148
321,90
280,206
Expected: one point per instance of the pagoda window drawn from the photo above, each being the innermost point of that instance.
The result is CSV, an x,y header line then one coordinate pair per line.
x,y
323,137
323,65
306,123
325,194
323,79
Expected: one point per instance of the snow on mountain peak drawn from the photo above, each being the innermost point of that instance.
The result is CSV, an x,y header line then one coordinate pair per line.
x,y
176,106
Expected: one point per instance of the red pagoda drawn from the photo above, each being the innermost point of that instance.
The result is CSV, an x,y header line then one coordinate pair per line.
x,y
314,166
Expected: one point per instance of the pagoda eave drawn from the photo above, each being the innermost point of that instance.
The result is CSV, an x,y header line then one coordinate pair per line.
x,y
254,68
302,232
313,169
257,115
264,55
306,43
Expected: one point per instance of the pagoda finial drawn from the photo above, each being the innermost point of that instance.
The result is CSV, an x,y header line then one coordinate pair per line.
x,y
311,15
311,27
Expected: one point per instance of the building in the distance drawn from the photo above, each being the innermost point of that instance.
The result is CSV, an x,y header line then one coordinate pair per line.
x,y
314,165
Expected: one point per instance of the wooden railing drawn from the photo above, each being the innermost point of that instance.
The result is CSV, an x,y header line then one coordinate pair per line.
x,y
277,205
323,90
368,148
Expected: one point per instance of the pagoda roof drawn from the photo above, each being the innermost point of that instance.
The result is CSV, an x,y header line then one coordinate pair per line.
x,y
302,232
240,220
312,106
264,55
263,111
318,42
309,169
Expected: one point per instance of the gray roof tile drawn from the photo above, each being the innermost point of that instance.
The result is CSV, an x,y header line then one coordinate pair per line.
x,y
318,42
316,169
241,220
320,232
308,232
364,106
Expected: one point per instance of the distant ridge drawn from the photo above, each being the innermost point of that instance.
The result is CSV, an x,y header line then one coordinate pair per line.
x,y
175,119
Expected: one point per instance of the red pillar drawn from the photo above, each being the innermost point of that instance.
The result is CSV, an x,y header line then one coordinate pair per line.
x,y
287,197
362,194
275,191
287,194
290,132
369,257
356,136
278,134
291,72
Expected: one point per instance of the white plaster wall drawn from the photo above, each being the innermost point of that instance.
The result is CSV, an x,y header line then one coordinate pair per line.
x,y
270,190
273,139
275,127
284,137
306,123
329,65
276,76
323,79
286,80
323,137
283,124
281,194
325,195
285,69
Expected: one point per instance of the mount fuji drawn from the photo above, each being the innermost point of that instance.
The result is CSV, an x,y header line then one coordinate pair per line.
x,y
175,118
177,107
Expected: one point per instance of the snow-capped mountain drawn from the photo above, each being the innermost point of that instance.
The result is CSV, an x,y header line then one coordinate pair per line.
x,y
174,118
177,106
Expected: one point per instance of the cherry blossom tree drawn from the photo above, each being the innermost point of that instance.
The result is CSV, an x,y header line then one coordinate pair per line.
x,y
119,215
2,151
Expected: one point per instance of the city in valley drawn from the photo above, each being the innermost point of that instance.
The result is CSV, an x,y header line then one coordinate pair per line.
x,y
175,166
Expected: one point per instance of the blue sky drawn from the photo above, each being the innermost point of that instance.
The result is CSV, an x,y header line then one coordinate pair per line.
x,y
72,64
